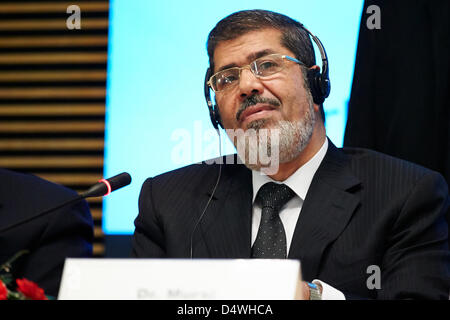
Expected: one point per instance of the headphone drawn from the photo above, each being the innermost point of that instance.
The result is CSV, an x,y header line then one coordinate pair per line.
x,y
319,83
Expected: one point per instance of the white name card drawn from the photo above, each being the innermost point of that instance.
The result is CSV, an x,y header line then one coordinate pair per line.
x,y
179,279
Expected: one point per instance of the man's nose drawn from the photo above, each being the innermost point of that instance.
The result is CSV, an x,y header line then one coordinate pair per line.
x,y
249,84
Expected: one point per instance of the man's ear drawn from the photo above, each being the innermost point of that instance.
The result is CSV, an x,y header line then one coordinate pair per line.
x,y
316,108
315,67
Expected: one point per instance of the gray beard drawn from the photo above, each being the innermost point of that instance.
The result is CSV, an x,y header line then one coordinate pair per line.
x,y
293,137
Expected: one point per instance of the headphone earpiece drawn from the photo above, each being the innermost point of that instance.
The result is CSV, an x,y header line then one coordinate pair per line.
x,y
319,85
217,117
325,86
313,76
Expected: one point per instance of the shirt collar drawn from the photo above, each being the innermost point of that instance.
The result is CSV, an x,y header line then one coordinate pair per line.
x,y
300,180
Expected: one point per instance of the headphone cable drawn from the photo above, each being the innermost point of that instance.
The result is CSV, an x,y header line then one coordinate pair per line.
x,y
210,198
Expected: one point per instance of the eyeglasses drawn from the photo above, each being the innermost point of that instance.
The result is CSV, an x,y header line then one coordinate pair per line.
x,y
261,68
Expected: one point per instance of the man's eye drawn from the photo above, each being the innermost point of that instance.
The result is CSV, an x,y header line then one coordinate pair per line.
x,y
227,79
267,65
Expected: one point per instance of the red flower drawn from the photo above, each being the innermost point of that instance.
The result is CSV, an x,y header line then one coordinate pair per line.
x,y
3,291
30,289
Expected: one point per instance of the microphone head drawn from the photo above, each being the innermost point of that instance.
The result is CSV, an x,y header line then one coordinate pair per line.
x,y
106,186
121,180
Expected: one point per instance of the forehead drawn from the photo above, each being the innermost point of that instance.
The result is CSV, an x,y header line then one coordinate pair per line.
x,y
246,48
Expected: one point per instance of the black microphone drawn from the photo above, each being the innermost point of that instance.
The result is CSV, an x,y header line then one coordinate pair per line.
x,y
103,188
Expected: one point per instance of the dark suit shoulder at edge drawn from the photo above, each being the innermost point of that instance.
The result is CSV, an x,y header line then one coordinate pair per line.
x,y
31,183
357,154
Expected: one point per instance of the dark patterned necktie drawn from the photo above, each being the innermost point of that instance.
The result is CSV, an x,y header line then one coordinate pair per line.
x,y
270,241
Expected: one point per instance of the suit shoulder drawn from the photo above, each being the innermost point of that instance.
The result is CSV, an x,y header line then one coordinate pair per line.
x,y
193,172
28,184
22,195
383,165
194,178
201,171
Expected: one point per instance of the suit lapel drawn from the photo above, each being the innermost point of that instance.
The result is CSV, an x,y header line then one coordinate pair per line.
x,y
226,227
326,210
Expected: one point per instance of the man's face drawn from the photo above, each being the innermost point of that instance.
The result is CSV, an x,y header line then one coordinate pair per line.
x,y
268,103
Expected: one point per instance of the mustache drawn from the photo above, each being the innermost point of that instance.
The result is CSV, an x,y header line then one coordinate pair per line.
x,y
253,100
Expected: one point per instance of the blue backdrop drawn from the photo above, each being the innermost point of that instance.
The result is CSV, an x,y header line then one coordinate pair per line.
x,y
156,117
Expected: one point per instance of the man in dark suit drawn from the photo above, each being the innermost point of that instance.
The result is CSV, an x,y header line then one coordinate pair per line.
x,y
350,215
51,238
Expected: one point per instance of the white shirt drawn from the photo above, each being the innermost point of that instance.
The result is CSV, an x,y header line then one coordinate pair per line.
x,y
299,182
